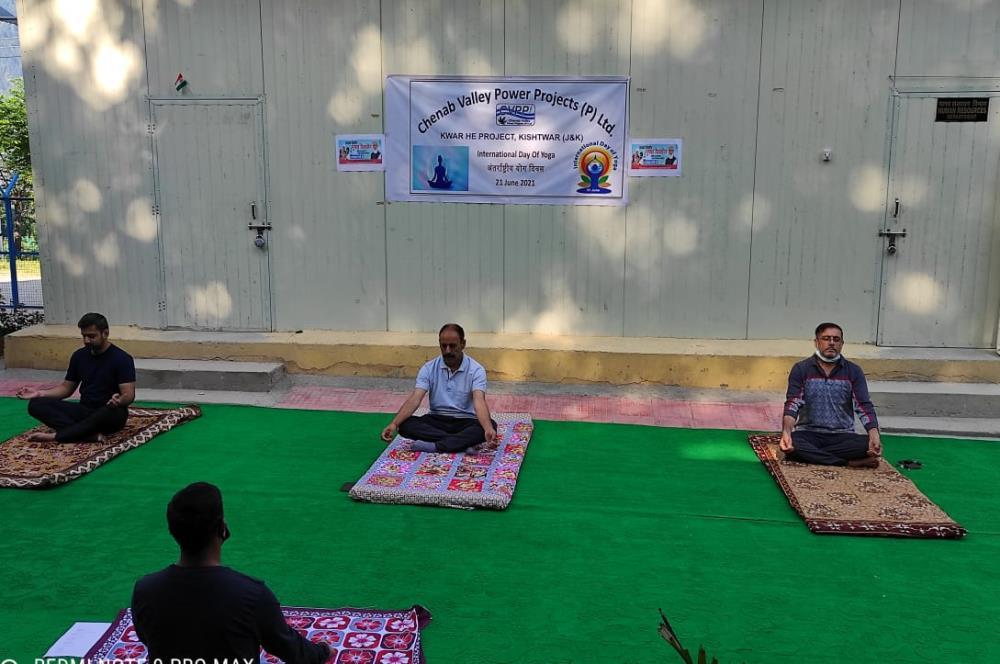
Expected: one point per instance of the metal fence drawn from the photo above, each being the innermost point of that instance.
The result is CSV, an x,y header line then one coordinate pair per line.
x,y
20,268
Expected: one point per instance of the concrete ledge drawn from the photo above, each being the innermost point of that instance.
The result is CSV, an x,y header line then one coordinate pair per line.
x,y
936,400
968,427
209,375
739,364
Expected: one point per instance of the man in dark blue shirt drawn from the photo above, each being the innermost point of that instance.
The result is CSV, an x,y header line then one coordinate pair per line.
x,y
106,376
200,611
824,393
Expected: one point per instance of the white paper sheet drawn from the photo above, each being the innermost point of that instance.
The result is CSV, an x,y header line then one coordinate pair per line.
x,y
78,639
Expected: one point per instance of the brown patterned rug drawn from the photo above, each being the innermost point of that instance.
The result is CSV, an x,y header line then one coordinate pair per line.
x,y
31,465
854,501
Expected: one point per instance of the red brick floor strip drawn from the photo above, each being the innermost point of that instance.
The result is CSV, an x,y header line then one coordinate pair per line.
x,y
759,416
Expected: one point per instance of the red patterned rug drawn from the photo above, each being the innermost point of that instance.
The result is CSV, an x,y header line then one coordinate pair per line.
x,y
32,465
359,636
483,476
854,501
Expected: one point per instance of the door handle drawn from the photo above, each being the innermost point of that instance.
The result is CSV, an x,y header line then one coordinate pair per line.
x,y
253,210
259,241
895,209
892,235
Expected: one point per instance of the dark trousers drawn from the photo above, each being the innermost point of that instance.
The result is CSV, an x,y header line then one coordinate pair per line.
x,y
828,449
73,421
450,434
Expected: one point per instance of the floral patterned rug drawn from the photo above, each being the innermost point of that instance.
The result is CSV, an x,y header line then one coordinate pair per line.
x,y
483,476
32,465
854,501
359,636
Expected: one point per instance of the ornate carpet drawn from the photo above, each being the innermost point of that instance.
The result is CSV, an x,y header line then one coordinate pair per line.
x,y
854,501
31,465
360,636
483,476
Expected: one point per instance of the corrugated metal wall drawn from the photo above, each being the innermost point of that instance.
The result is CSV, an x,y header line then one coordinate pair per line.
x,y
445,262
944,177
759,238
564,266
85,79
694,76
816,254
323,76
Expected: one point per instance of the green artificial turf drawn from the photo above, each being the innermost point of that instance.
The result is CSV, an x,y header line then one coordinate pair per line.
x,y
608,523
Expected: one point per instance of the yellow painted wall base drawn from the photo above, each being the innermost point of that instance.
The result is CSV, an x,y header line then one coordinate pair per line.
x,y
743,365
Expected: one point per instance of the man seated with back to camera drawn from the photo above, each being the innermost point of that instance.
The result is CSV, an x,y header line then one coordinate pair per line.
x,y
198,609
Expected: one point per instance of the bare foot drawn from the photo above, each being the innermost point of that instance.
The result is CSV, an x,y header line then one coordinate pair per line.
x,y
40,437
867,462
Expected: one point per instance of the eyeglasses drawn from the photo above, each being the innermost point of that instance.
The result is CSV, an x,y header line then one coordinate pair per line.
x,y
833,339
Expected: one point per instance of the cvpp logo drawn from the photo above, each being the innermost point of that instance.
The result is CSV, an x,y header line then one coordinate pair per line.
x,y
515,115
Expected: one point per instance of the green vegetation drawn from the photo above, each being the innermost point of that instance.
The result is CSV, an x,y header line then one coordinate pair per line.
x,y
26,268
15,156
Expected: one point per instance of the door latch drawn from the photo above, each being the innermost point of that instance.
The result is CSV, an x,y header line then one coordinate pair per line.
x,y
260,241
892,235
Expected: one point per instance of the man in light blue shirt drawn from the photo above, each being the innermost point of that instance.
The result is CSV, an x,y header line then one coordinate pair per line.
x,y
456,385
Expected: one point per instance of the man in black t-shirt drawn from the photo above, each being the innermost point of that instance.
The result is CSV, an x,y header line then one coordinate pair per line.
x,y
198,610
106,377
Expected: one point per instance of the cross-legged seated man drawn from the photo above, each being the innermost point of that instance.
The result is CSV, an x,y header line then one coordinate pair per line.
x,y
106,376
200,611
459,417
824,393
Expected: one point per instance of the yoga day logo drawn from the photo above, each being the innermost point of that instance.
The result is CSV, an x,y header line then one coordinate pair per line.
x,y
595,162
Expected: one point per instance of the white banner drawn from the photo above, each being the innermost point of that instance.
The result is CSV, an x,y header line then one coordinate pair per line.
x,y
558,141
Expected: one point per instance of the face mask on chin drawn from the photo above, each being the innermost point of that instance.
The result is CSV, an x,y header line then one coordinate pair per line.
x,y
828,360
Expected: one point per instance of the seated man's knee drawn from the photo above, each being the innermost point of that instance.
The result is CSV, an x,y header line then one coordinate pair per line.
x,y
406,425
114,420
803,440
795,456
36,406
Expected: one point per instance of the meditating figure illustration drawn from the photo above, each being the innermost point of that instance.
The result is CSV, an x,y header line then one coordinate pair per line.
x,y
440,180
595,169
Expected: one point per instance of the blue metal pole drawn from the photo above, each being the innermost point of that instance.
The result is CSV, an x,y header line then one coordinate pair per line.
x,y
8,211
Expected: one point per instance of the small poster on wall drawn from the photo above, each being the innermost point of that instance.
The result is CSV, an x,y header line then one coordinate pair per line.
x,y
360,152
652,157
